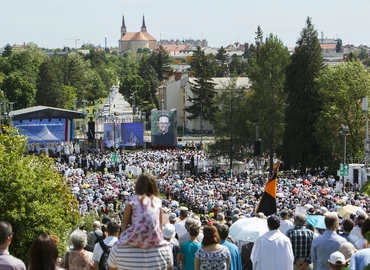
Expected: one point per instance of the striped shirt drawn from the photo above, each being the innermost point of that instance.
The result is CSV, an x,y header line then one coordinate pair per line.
x,y
131,258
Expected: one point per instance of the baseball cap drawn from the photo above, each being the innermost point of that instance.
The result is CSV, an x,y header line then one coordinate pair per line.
x,y
168,231
347,249
337,258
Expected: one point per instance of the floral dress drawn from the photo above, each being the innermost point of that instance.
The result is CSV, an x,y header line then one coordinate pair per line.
x,y
78,260
213,260
144,231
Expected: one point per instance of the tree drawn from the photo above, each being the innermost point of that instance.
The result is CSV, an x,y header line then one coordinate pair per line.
x,y
223,60
160,60
363,54
259,41
35,197
300,147
342,89
338,47
50,86
202,88
230,124
19,90
267,74
7,51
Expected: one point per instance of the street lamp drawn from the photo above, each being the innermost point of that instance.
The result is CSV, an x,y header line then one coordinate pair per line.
x,y
365,108
343,132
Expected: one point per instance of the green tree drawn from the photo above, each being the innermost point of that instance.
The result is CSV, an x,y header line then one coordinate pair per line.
x,y
35,197
149,95
19,90
342,89
363,54
7,51
259,41
338,47
50,86
160,60
230,124
301,149
223,60
267,74
202,88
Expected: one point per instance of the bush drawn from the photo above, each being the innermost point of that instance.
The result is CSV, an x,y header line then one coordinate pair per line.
x,y
34,197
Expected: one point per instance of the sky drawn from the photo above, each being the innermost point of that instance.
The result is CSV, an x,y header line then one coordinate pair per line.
x,y
58,23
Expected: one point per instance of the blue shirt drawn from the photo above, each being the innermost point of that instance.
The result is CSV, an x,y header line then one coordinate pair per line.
x,y
188,250
350,238
322,247
235,258
360,259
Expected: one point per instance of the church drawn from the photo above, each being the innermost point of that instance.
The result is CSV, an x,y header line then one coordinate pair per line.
x,y
134,40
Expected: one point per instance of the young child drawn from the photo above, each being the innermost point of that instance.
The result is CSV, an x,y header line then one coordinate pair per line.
x,y
337,261
144,214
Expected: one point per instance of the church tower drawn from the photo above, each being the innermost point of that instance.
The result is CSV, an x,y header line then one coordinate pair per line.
x,y
143,26
123,27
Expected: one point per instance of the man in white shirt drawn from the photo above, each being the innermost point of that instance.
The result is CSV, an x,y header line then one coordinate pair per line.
x,y
109,241
285,223
180,226
273,250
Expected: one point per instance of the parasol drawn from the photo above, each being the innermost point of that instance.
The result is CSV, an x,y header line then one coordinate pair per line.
x,y
248,229
346,211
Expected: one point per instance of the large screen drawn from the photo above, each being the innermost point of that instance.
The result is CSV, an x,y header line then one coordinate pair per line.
x,y
164,128
125,134
43,130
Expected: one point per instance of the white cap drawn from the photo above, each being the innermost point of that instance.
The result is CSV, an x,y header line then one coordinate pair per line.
x,y
337,258
168,231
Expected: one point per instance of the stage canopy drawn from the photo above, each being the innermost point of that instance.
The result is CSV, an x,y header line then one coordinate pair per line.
x,y
43,112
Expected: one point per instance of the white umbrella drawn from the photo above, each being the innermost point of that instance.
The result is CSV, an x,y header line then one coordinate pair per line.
x,y
248,229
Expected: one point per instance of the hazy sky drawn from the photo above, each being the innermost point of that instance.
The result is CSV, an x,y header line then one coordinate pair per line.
x,y
53,23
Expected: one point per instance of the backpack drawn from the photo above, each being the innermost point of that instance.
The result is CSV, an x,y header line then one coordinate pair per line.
x,y
98,238
103,263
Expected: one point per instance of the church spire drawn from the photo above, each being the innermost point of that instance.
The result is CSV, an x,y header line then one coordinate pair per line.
x,y
123,27
143,26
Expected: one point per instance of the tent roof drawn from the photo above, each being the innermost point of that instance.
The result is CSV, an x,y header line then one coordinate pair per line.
x,y
43,112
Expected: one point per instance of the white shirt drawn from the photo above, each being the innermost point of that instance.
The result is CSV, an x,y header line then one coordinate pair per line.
x,y
285,225
180,227
273,250
98,251
357,232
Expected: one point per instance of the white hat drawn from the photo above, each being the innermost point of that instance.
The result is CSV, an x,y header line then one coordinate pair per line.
x,y
172,217
168,231
337,258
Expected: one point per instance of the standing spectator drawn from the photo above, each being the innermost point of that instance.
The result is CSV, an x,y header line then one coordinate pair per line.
x,y
43,253
347,226
144,214
359,220
285,223
327,243
361,258
180,226
169,233
95,235
186,236
103,247
301,239
212,255
189,248
336,261
78,258
347,249
272,250
7,261
235,258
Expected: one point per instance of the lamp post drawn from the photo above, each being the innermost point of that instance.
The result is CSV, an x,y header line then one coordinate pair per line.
x,y
365,107
344,130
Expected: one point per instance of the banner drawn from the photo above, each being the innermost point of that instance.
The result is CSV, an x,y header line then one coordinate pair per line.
x,y
164,128
43,130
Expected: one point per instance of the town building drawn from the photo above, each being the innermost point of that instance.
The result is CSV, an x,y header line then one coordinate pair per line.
x,y
132,41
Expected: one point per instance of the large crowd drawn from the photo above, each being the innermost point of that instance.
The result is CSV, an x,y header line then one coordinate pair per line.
x,y
201,200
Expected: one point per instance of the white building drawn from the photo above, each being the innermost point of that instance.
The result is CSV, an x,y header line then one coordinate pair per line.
x,y
175,93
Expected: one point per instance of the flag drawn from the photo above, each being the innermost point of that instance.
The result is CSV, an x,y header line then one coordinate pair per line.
x,y
267,204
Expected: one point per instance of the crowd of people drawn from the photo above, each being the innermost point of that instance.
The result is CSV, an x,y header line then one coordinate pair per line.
x,y
170,210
